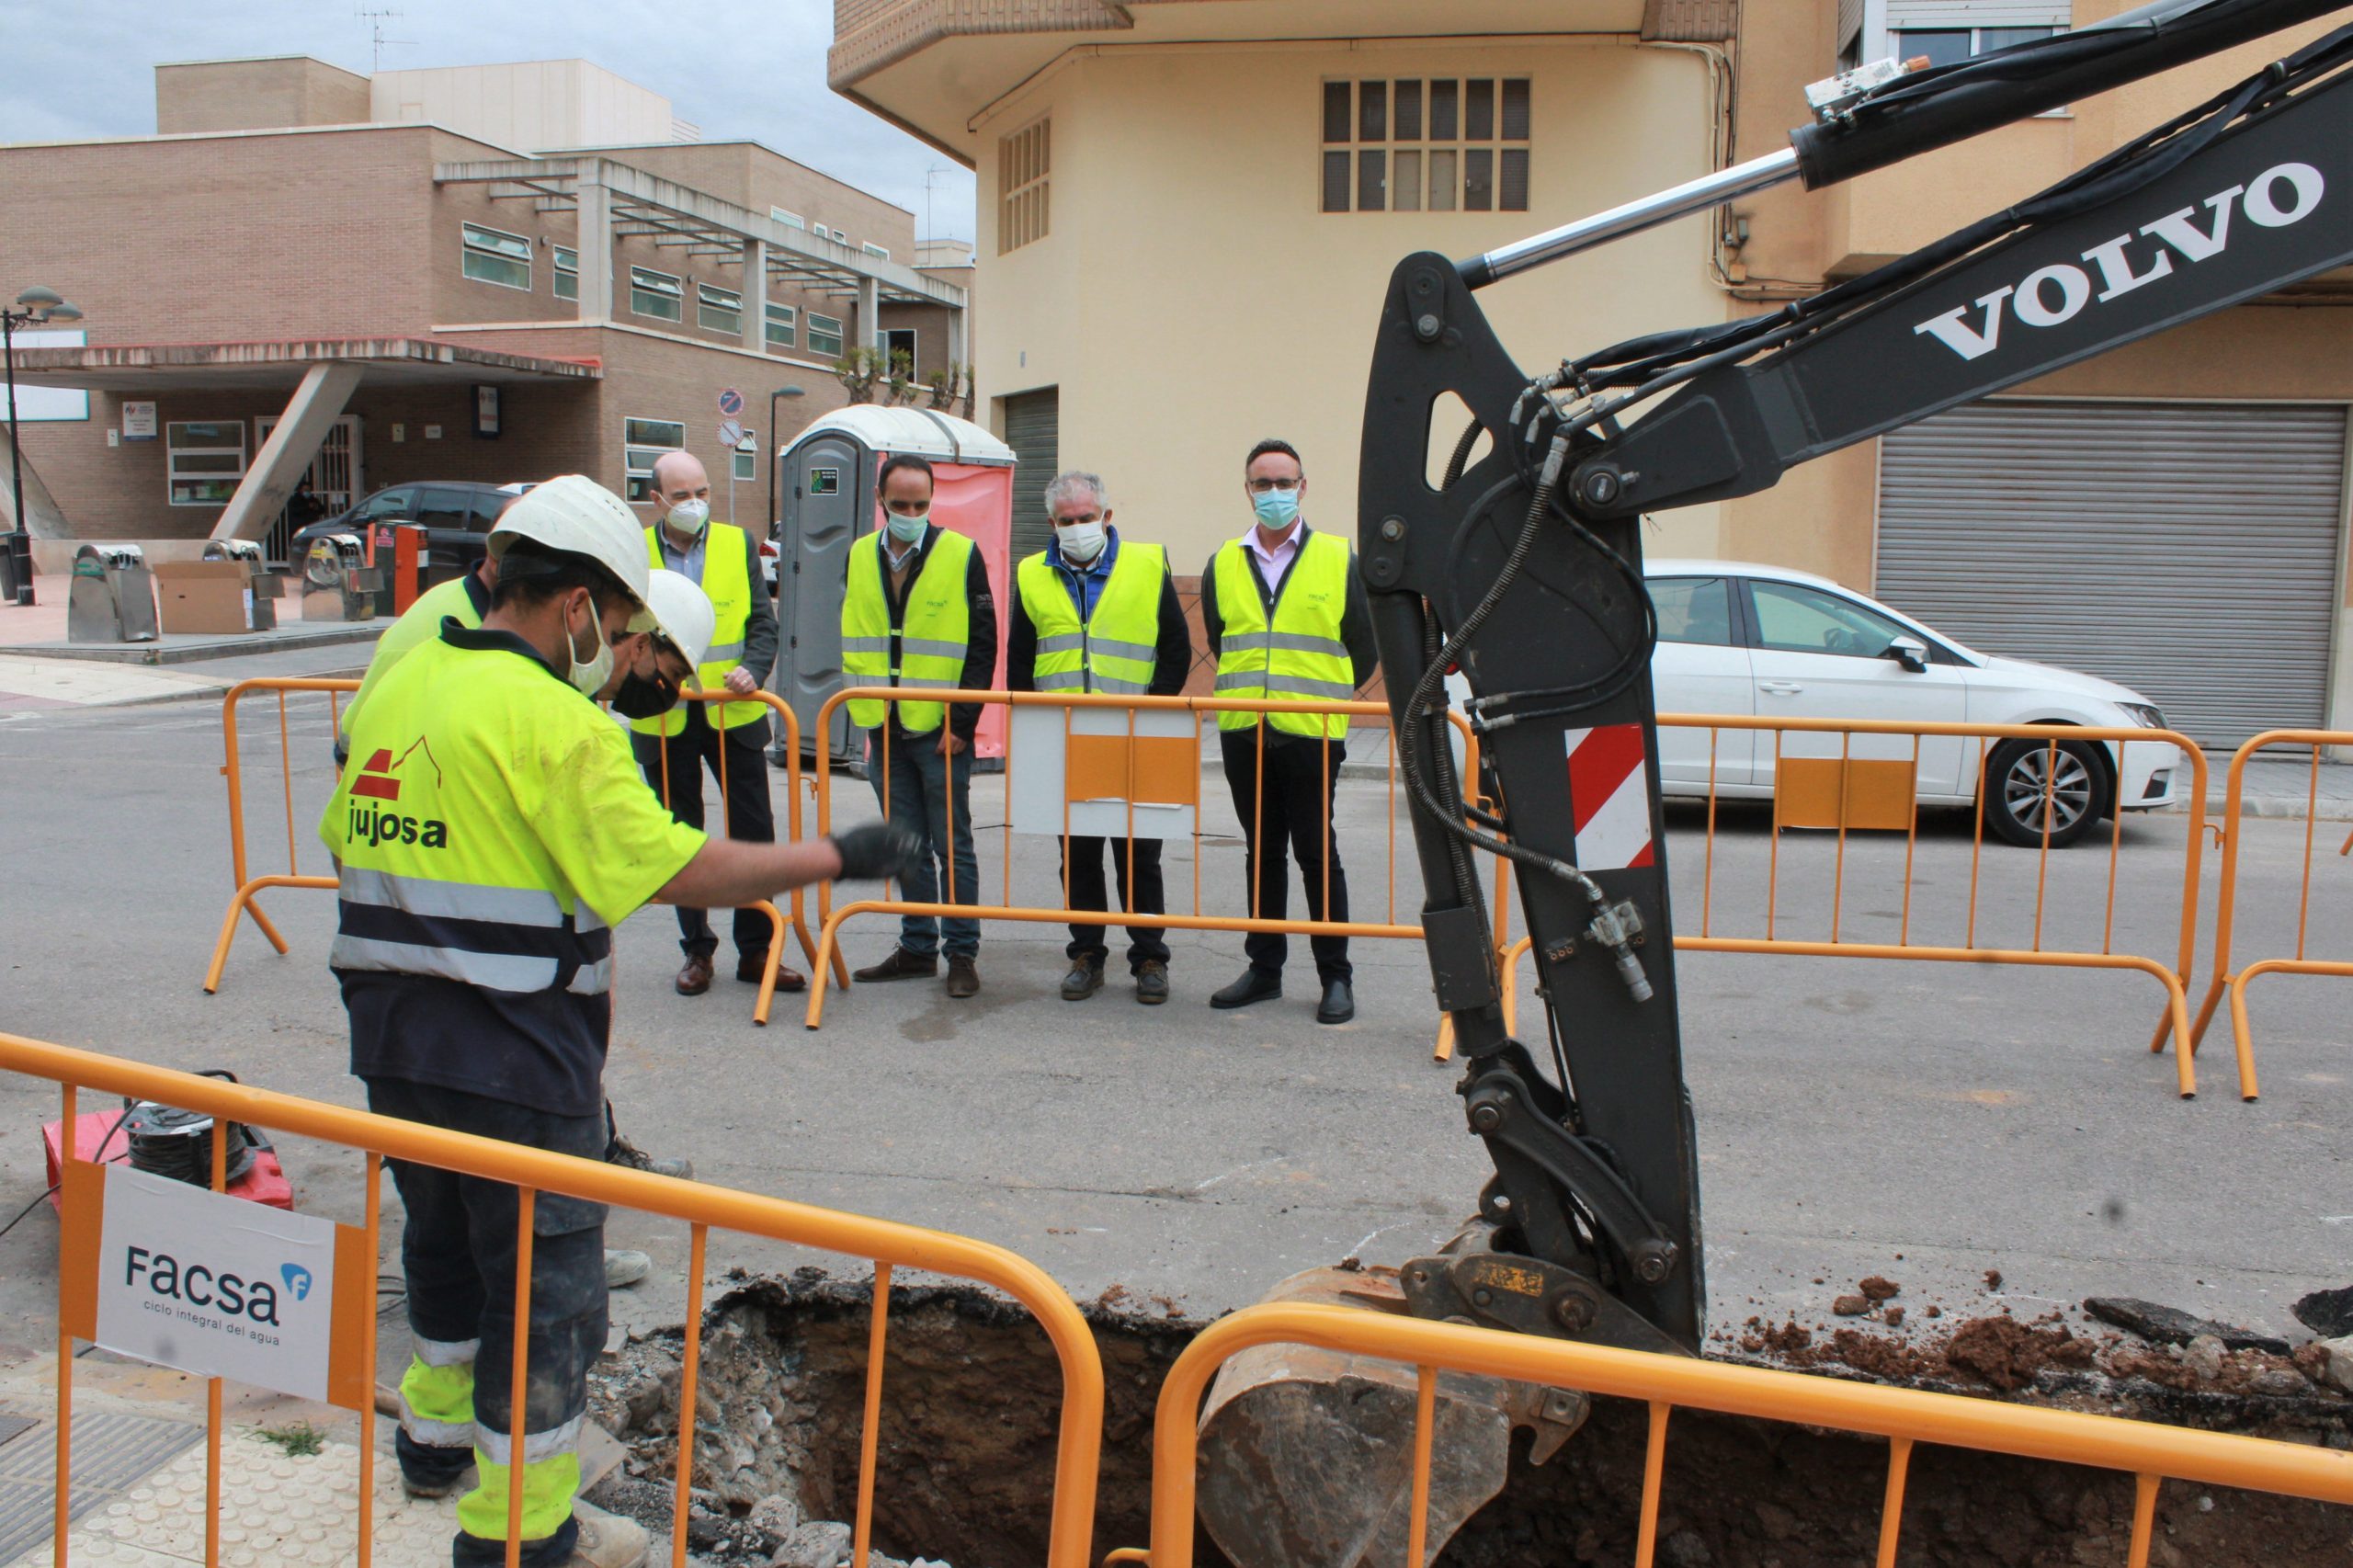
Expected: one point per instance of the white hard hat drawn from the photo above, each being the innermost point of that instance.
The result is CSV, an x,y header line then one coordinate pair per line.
x,y
576,515
682,612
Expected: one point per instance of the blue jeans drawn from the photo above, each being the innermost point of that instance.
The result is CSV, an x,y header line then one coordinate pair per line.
x,y
928,795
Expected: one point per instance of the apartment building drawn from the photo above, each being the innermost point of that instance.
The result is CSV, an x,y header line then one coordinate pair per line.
x,y
1189,210
490,273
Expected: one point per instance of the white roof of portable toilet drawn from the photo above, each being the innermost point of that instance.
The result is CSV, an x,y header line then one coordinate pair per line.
x,y
942,437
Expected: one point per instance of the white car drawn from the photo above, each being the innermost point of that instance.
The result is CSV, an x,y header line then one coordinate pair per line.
x,y
1741,638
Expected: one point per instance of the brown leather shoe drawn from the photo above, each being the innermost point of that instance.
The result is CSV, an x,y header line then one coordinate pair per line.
x,y
786,977
963,977
901,965
694,976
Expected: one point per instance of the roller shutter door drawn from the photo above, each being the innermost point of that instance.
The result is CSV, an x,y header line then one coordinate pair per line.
x,y
2189,550
1033,425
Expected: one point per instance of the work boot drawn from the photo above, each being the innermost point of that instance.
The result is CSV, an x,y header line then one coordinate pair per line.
x,y
437,1485
622,1152
607,1541
787,977
901,965
1256,985
1083,979
964,976
623,1268
1339,1003
1152,982
694,975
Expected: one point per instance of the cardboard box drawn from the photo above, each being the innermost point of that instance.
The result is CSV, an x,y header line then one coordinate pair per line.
x,y
211,597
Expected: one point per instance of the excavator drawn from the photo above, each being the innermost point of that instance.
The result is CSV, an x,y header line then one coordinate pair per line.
x,y
1522,570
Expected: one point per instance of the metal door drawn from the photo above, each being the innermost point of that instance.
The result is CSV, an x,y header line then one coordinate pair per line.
x,y
828,501
333,474
1033,429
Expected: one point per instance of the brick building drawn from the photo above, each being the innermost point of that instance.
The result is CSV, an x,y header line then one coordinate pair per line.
x,y
488,274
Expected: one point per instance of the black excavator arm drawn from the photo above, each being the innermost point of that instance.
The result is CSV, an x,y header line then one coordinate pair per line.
x,y
1524,571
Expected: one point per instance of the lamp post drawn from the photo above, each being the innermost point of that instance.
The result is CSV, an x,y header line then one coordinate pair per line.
x,y
34,306
774,516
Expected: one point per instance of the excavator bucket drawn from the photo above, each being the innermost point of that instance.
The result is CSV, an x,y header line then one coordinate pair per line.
x,y
1307,1455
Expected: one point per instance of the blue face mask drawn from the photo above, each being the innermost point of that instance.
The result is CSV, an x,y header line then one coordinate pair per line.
x,y
1276,508
907,531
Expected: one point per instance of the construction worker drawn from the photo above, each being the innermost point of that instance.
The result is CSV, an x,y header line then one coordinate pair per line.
x,y
1287,619
489,831
916,611
1096,612
730,739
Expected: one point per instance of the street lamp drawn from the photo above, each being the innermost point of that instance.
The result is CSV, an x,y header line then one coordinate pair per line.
x,y
774,516
35,306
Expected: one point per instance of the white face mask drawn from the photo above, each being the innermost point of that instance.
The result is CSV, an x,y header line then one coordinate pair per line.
x,y
907,531
688,517
589,678
1080,542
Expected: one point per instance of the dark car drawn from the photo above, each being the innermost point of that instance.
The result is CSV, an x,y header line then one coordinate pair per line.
x,y
457,516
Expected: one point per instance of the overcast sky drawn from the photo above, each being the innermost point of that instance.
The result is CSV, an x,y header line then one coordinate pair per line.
x,y
87,69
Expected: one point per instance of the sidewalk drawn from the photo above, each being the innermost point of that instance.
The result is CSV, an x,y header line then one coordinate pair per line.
x,y
2280,784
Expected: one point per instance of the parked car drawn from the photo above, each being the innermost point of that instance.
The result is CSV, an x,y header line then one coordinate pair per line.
x,y
1742,639
457,516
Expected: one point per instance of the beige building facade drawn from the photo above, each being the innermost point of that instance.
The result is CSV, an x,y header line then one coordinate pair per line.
x,y
1189,209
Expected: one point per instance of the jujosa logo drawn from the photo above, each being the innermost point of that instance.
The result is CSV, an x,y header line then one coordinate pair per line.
x,y
298,1280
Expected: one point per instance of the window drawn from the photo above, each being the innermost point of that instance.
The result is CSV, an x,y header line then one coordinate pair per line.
x,y
492,257
1417,145
719,309
399,501
1799,619
871,248
567,273
780,326
899,344
1023,161
789,220
747,460
825,334
655,294
1949,46
643,443
206,458
1693,609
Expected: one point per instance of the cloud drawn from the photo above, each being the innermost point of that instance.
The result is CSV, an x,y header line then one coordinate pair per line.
x,y
739,71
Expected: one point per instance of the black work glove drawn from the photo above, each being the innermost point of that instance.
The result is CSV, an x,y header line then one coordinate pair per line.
x,y
879,849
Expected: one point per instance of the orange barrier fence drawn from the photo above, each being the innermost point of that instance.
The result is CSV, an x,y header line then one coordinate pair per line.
x,y
533,1172
2150,1453
1878,795
1145,771
300,830
2236,981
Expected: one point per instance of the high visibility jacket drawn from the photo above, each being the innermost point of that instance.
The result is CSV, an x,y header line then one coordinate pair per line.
x,y
1300,657
925,649
464,598
727,578
490,829
1114,649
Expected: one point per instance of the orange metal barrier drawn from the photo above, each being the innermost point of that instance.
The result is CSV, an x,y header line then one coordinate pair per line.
x,y
2235,982
954,907
245,900
533,1171
1871,805
2151,1453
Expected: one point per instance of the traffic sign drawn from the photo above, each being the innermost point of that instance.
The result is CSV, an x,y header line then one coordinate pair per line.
x,y
730,401
731,433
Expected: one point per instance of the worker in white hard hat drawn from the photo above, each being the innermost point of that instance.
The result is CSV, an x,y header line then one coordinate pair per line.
x,y
489,831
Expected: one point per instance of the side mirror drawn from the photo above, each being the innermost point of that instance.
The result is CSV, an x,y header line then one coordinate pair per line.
x,y
1909,651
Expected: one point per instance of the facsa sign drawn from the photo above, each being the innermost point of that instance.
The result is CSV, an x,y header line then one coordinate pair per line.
x,y
214,1285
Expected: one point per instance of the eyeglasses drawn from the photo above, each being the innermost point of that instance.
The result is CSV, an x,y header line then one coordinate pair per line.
x,y
1260,486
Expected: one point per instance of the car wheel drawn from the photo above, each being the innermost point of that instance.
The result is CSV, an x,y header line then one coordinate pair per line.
x,y
2028,781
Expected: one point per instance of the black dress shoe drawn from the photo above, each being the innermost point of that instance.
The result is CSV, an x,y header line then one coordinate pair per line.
x,y
1256,985
1339,1003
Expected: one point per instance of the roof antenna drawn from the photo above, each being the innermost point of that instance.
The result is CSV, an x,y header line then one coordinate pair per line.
x,y
376,21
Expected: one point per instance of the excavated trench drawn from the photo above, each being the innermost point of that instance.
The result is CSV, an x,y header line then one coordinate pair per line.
x,y
971,1396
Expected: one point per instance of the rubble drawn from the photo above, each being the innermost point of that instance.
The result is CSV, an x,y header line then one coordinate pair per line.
x,y
2328,1313
2170,1325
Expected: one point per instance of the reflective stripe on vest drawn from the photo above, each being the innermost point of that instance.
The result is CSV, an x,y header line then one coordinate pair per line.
x,y
726,577
1113,651
931,641
1300,656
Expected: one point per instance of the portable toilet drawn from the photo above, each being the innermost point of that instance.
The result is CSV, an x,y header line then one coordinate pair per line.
x,y
828,474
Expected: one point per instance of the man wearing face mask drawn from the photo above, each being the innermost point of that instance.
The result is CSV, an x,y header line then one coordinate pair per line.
x,y
916,611
1287,617
489,831
729,739
1096,612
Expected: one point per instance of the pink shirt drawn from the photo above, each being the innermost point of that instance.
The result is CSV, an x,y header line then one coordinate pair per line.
x,y
1273,562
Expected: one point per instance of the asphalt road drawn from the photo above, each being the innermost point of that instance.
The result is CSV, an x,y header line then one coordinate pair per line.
x,y
1960,1117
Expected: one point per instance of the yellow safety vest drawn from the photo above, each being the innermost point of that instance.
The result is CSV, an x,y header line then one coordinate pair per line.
x,y
926,648
727,578
462,598
1115,650
1300,658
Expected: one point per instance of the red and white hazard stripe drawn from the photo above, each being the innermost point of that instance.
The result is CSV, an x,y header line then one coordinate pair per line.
x,y
1611,791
